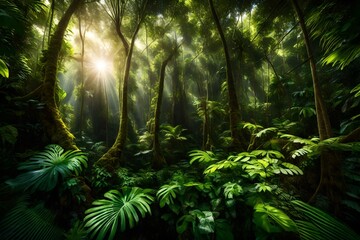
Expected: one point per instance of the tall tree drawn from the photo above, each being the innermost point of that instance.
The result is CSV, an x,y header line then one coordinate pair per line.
x,y
158,158
116,10
330,164
234,110
51,119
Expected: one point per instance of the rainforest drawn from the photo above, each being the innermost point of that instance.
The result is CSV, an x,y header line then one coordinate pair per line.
x,y
179,119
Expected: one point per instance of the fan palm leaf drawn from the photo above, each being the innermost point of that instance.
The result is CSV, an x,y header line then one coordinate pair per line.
x,y
44,169
321,224
118,209
30,223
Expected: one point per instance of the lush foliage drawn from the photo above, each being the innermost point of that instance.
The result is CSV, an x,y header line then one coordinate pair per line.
x,y
238,146
119,209
45,169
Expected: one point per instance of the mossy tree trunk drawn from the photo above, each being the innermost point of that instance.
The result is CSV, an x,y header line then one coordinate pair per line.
x,y
53,124
234,110
111,159
330,163
158,159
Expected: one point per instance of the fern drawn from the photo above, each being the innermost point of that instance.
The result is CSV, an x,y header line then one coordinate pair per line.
x,y
252,127
201,156
243,157
266,131
301,152
224,164
291,169
119,208
300,140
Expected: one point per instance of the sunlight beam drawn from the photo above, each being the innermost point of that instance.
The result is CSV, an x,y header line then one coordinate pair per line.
x,y
101,65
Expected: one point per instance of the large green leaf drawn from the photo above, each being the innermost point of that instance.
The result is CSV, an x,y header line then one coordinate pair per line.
x,y
321,224
117,210
272,219
46,168
24,222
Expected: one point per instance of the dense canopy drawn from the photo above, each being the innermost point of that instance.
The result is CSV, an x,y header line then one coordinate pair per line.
x,y
179,119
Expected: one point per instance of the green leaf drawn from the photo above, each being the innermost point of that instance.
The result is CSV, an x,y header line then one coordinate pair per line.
x,y
232,189
118,208
201,156
266,131
167,193
224,164
263,187
322,223
4,71
292,168
46,168
272,219
24,221
206,223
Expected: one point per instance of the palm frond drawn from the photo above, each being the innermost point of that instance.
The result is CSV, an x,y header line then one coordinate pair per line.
x,y
321,224
29,223
118,209
44,169
167,193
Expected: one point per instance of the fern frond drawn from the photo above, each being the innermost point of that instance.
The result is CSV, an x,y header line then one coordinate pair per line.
x,y
201,156
224,164
266,131
252,127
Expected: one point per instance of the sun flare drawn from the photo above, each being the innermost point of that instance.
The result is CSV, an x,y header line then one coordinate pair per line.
x,y
101,65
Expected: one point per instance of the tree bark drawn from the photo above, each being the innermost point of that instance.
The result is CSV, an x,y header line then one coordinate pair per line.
x,y
111,159
80,123
158,160
330,163
53,124
234,110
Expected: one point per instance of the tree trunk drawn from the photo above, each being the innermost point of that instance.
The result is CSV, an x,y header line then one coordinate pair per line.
x,y
234,110
158,160
53,124
330,164
80,123
113,156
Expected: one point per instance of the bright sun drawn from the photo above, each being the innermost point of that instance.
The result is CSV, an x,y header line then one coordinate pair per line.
x,y
101,65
